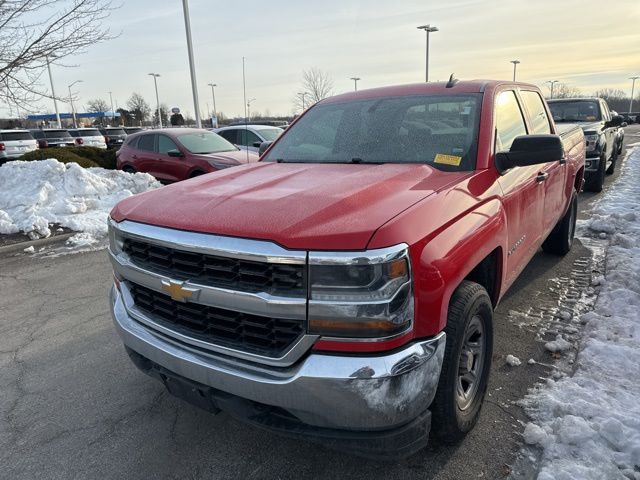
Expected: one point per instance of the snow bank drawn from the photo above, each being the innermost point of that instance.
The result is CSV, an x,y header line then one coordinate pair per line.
x,y
588,424
34,195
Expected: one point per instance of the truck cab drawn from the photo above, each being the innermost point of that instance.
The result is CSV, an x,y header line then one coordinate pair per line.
x,y
600,127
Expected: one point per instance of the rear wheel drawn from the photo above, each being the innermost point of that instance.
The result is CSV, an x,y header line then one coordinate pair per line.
x,y
128,169
595,182
614,159
467,362
560,239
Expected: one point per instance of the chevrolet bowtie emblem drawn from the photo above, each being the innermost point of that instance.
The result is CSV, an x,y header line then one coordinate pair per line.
x,y
178,291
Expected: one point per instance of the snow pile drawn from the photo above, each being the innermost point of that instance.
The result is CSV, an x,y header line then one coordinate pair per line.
x,y
34,195
588,424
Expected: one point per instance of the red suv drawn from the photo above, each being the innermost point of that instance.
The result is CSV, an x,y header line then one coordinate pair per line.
x,y
175,154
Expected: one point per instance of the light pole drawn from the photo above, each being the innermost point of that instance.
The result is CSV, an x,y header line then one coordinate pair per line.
x,y
192,68
155,82
515,64
53,94
73,111
428,29
302,94
633,84
213,94
551,83
249,109
113,113
355,83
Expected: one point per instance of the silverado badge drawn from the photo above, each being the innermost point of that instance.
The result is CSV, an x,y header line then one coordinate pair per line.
x,y
178,291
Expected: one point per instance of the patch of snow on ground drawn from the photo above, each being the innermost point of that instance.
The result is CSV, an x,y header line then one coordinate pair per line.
x,y
588,423
513,361
35,194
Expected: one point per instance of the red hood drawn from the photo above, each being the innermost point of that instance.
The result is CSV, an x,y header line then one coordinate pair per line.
x,y
299,206
234,157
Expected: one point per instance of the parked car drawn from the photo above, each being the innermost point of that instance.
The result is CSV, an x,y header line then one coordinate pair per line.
x,y
251,137
131,130
113,136
343,287
174,154
600,131
88,137
15,143
619,132
53,137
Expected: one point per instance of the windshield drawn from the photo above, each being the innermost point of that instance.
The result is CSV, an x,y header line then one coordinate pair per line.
x,y
434,129
57,134
575,111
8,136
205,142
86,133
114,132
270,134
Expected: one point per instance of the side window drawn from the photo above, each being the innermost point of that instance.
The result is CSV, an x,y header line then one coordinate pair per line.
x,y
509,121
252,138
242,137
606,115
538,118
229,135
165,144
132,142
146,143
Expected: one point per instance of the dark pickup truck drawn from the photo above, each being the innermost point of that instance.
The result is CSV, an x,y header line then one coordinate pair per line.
x,y
600,128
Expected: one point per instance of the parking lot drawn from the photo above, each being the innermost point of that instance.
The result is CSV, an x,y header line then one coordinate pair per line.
x,y
74,406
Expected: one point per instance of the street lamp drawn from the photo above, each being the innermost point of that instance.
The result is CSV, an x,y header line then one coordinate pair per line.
x,y
213,94
113,113
249,109
73,111
428,29
355,83
633,84
302,94
515,64
53,94
552,83
192,68
155,82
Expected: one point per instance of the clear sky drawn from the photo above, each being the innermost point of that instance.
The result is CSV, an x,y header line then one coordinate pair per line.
x,y
589,44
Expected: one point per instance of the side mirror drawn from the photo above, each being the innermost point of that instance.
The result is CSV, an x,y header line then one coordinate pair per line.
x,y
263,147
175,153
257,144
530,150
615,121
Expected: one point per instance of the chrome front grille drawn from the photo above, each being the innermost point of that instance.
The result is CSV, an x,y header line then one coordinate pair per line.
x,y
218,271
251,333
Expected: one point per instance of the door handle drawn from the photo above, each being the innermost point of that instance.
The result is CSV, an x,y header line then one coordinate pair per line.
x,y
563,161
542,176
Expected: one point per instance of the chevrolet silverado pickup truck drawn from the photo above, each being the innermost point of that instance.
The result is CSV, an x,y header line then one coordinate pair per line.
x,y
342,288
600,127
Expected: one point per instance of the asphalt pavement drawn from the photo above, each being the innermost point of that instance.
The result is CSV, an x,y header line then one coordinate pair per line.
x,y
73,406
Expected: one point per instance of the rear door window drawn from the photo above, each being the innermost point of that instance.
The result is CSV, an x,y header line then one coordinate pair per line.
x,y
509,120
230,135
538,118
147,143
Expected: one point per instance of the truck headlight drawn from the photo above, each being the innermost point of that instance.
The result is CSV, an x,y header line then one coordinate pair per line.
x,y
363,295
115,238
592,141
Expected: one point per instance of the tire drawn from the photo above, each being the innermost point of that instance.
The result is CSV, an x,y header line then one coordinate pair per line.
x,y
614,160
560,239
596,180
454,414
128,169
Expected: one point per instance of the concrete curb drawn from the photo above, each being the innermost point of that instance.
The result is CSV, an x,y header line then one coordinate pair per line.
x,y
40,242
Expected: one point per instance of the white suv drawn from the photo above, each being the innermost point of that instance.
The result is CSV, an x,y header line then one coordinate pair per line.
x,y
88,137
15,143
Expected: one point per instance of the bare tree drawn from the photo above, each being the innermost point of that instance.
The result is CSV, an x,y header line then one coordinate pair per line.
x,y
562,90
164,109
316,85
33,32
97,105
615,98
139,107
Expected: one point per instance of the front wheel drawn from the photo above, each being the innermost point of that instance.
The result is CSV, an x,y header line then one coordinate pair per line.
x,y
595,182
614,159
467,362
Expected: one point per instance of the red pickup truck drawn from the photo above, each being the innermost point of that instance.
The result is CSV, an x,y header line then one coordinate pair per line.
x,y
343,287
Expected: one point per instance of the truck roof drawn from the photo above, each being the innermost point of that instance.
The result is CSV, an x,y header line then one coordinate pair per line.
x,y
574,99
461,86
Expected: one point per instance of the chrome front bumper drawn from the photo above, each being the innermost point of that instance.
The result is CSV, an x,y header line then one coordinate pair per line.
x,y
332,391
